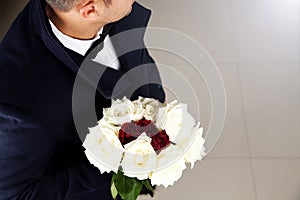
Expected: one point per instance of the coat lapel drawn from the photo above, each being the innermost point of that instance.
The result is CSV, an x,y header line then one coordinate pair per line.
x,y
137,19
42,28
127,35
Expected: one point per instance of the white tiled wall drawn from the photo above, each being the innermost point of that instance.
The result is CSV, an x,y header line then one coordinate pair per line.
x,y
257,48
266,30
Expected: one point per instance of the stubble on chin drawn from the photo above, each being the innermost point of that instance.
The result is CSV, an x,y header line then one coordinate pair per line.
x,y
129,11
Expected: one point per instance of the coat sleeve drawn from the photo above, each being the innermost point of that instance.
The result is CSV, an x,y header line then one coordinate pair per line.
x,y
155,90
28,169
144,76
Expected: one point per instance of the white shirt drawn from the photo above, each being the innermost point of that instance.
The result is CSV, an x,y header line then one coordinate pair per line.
x,y
107,56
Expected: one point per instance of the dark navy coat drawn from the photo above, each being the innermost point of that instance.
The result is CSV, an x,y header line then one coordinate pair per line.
x,y
41,154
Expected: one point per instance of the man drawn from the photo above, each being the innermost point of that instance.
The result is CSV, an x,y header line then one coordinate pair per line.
x,y
41,154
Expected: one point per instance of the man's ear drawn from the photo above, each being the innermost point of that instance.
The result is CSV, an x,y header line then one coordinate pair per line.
x,y
88,10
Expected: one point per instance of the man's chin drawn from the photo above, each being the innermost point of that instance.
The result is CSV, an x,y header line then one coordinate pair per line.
x,y
129,11
123,16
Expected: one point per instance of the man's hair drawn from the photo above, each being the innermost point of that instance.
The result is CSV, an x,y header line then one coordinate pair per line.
x,y
63,5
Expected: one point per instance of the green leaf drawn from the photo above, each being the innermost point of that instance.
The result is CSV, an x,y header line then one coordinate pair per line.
x,y
114,191
123,183
128,188
147,184
136,190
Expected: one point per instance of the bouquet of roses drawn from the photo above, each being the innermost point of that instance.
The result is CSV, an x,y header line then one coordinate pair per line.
x,y
145,143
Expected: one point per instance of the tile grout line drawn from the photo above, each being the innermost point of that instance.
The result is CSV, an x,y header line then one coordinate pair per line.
x,y
299,50
247,132
234,32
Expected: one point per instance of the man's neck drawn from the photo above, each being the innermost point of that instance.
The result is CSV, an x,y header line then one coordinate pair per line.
x,y
70,26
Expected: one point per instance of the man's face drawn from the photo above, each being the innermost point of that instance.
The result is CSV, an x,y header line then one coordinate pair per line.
x,y
114,10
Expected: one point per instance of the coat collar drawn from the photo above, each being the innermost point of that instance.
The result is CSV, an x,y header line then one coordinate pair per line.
x,y
42,28
138,18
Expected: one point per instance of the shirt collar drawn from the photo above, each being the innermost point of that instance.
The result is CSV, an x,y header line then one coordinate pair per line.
x,y
79,46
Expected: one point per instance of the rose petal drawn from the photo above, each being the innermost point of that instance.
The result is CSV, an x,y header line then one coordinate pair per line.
x,y
139,158
196,150
175,119
121,111
105,147
168,156
103,168
160,140
168,175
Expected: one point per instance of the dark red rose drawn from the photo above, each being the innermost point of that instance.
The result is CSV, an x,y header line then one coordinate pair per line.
x,y
131,130
128,132
143,122
160,140
147,126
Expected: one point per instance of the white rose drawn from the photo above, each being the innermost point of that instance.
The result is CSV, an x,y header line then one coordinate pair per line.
x,y
196,150
119,112
186,138
151,111
150,106
104,148
139,101
168,156
108,127
139,158
175,119
122,111
145,101
101,166
170,164
168,175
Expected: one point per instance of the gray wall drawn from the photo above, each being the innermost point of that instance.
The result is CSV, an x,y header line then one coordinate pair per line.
x,y
9,10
